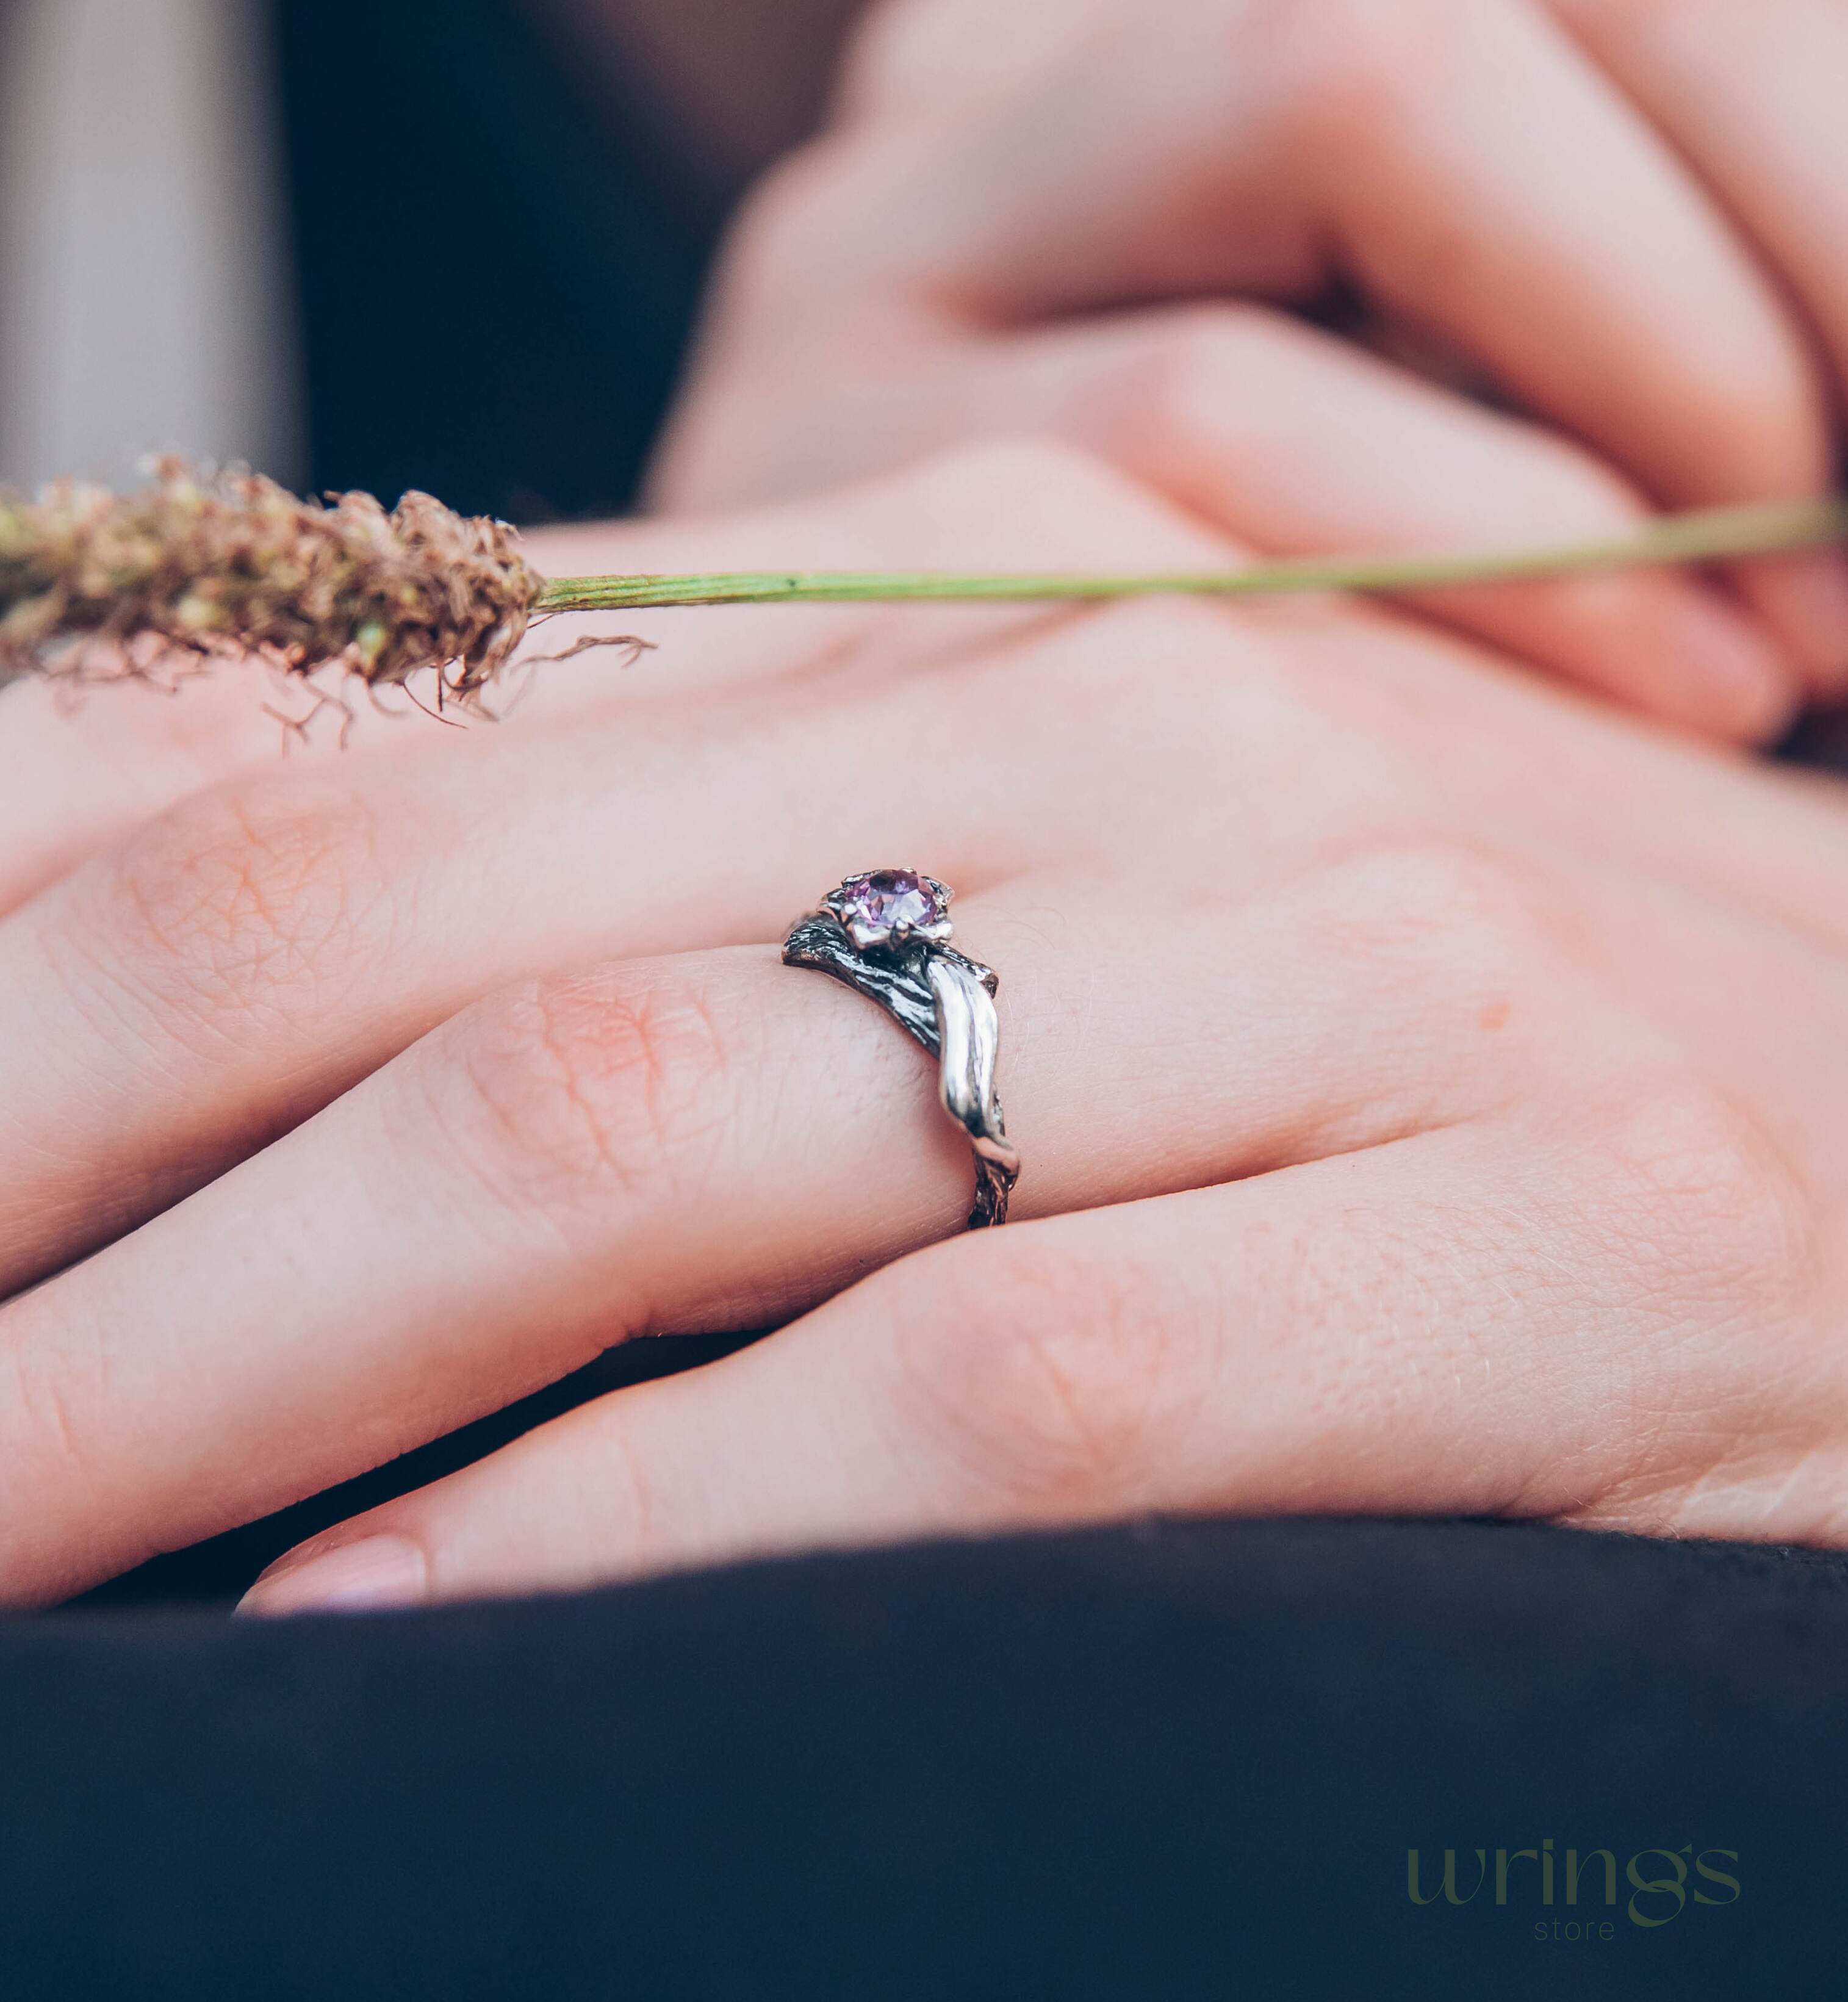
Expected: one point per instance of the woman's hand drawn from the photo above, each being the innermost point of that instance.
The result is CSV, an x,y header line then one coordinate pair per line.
x,y
1429,1088
1625,223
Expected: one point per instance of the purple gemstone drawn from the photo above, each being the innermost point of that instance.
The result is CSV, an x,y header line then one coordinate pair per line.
x,y
888,902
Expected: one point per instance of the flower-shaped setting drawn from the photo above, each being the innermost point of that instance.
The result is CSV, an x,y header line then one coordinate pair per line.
x,y
886,907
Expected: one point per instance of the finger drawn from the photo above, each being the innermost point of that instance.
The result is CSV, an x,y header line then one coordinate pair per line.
x,y
1752,98
1466,166
910,56
1489,750
1296,443
711,1140
230,969
78,774
1249,418
1016,503
1458,1323
217,977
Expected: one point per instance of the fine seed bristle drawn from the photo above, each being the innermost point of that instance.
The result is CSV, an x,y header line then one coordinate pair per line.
x,y
200,565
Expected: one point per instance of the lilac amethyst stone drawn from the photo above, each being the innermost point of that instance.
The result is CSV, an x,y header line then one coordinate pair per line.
x,y
887,906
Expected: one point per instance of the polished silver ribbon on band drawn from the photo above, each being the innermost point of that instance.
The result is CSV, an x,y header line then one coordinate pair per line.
x,y
946,1002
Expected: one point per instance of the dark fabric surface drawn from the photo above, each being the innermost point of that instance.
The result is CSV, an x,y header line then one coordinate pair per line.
x,y
496,282
1174,1761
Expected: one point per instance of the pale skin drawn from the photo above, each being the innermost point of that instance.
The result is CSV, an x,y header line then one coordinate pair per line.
x,y
1428,1081
1622,221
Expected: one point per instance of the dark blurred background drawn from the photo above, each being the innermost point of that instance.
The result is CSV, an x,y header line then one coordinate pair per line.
x,y
502,213
495,273
455,244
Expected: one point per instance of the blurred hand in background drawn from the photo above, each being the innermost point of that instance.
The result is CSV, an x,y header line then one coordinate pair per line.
x,y
1365,274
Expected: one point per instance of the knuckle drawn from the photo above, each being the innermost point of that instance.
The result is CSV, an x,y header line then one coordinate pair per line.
x,y
796,233
582,1085
251,898
1708,1249
1198,697
776,220
1368,68
1708,1217
1184,383
1187,670
1050,1382
895,45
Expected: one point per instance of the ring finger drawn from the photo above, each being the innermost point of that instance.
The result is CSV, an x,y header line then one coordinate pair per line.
x,y
705,1141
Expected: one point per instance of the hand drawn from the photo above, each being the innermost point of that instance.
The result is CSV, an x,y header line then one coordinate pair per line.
x,y
1429,1089
1625,223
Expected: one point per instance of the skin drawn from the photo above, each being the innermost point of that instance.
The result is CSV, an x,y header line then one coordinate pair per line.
x,y
1338,274
1427,1081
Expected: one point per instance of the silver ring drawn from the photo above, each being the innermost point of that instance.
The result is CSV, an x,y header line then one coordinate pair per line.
x,y
886,934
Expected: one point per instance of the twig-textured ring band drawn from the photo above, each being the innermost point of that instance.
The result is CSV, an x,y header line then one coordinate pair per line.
x,y
886,934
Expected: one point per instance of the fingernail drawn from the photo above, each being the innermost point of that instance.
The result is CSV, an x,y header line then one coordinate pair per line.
x,y
1807,598
1729,677
373,1573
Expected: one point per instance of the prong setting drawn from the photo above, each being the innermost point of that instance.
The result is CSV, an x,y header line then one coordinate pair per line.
x,y
884,910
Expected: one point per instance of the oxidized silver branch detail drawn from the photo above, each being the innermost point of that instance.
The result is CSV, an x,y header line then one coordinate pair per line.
x,y
886,934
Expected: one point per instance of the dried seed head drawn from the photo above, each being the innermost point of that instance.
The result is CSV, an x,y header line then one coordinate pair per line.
x,y
209,564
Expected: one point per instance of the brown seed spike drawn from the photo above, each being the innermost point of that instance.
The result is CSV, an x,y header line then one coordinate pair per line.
x,y
209,564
